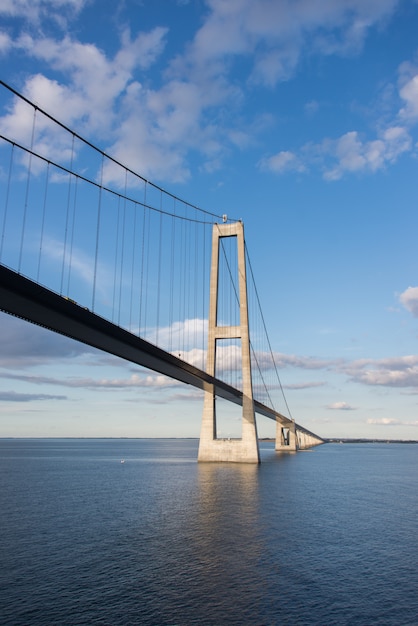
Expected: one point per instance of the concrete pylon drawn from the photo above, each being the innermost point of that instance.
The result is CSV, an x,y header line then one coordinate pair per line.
x,y
286,437
244,450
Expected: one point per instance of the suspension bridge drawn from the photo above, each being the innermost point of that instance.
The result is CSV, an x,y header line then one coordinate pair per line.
x,y
92,250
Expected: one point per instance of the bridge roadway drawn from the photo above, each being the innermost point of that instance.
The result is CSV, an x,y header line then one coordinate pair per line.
x,y
34,303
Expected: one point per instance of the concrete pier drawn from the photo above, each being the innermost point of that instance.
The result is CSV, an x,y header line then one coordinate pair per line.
x,y
286,440
290,437
244,450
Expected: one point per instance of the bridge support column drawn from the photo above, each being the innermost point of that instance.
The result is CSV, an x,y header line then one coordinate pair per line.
x,y
286,437
306,439
212,448
302,443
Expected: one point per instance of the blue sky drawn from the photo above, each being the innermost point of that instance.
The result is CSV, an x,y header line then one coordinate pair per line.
x,y
299,117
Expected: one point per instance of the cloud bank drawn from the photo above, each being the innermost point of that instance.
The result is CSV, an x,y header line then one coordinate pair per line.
x,y
25,346
154,120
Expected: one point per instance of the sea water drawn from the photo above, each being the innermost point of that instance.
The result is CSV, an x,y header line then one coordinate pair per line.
x,y
119,532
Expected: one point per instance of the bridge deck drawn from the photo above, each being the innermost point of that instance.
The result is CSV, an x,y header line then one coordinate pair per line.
x,y
34,303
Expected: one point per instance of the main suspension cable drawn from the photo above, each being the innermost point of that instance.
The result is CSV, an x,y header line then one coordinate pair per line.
x,y
103,154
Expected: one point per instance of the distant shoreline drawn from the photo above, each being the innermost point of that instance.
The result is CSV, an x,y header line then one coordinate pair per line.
x,y
361,440
358,440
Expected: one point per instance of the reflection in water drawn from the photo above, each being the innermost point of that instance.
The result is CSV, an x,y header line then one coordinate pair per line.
x,y
229,543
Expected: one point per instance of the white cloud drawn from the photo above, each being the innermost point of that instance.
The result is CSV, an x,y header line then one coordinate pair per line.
x,y
340,406
408,91
311,107
409,299
271,67
399,371
388,421
5,42
89,100
351,154
18,122
188,334
23,8
275,33
390,372
33,11
228,358
347,154
284,161
196,357
96,81
154,125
